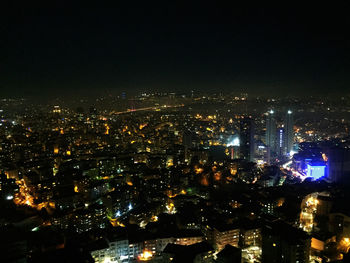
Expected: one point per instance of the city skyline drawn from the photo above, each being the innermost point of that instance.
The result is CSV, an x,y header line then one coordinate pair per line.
x,y
174,133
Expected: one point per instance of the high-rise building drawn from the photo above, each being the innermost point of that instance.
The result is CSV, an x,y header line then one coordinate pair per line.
x,y
247,139
289,132
281,142
271,128
187,142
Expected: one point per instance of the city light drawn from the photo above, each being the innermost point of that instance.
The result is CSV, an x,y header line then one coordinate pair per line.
x,y
198,170
324,157
171,208
35,229
344,245
154,218
291,153
145,255
233,142
307,216
144,143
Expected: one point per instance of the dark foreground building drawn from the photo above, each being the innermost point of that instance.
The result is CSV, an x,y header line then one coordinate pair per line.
x,y
282,243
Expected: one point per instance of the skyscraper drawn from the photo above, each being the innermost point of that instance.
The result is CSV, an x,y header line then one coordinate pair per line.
x,y
271,129
187,142
247,139
281,142
289,132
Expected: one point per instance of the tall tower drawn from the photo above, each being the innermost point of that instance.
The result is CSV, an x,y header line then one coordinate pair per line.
x,y
247,139
271,131
187,141
281,142
289,131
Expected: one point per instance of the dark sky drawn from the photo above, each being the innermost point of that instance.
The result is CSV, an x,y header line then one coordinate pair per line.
x,y
81,49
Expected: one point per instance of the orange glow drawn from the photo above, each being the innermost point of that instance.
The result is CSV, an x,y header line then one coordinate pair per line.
x,y
324,156
142,126
55,150
344,245
204,181
171,208
129,183
170,194
233,171
120,224
198,170
25,198
116,223
107,129
169,162
280,202
145,255
68,152
217,176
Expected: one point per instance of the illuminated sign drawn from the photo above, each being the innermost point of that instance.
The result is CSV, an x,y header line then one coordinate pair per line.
x,y
281,137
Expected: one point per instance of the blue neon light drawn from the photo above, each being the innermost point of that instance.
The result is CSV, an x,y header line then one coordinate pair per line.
x,y
316,171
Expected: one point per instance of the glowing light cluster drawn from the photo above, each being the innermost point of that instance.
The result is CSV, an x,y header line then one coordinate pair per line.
x,y
145,255
171,208
307,215
234,142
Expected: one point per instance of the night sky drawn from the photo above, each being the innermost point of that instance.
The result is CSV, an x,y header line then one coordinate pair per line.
x,y
84,50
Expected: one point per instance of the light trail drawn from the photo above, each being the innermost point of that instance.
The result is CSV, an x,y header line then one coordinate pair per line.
x,y
287,166
147,109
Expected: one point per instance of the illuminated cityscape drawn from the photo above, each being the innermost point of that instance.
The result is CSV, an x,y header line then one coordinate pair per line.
x,y
181,139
